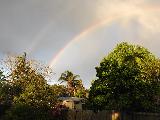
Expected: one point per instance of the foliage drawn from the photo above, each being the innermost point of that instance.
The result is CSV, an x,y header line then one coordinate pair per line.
x,y
73,81
37,96
81,92
30,86
127,79
59,90
25,112
25,88
4,94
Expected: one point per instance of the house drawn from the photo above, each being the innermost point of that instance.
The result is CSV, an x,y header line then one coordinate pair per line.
x,y
72,102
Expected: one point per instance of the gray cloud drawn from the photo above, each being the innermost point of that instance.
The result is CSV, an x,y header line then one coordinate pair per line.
x,y
43,28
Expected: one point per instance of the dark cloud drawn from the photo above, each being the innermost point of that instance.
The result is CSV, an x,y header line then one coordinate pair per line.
x,y
44,27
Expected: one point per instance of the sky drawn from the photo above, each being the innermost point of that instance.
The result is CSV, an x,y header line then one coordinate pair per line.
x,y
75,35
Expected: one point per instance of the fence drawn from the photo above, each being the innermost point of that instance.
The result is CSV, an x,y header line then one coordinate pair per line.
x,y
88,115
109,115
140,116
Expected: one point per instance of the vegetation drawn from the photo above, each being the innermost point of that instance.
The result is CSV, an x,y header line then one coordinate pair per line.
x,y
60,90
74,84
24,91
25,94
128,80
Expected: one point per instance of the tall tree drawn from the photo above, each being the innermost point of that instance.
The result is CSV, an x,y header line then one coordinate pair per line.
x,y
127,79
28,89
73,81
29,84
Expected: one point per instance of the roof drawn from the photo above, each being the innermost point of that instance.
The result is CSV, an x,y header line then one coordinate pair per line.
x,y
71,98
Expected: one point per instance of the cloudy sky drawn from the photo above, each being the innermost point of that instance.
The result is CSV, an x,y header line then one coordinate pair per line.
x,y
76,34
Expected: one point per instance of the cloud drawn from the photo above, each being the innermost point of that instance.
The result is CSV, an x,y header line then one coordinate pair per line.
x,y
45,27
133,21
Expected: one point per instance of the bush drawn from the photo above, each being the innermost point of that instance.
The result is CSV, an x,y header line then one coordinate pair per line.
x,y
24,112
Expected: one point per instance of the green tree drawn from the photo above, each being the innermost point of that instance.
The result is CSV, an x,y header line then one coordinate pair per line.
x,y
127,79
4,96
59,90
72,80
30,83
80,91
29,88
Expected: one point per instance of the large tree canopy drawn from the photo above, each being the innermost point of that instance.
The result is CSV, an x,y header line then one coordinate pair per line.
x,y
30,83
26,90
127,79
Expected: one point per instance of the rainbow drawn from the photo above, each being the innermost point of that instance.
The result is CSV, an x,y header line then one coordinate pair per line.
x,y
89,29
39,37
102,22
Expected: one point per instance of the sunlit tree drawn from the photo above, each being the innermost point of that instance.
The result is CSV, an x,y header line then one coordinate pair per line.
x,y
127,79
73,81
28,88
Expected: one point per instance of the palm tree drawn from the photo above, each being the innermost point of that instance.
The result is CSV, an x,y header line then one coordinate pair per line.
x,y
72,80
